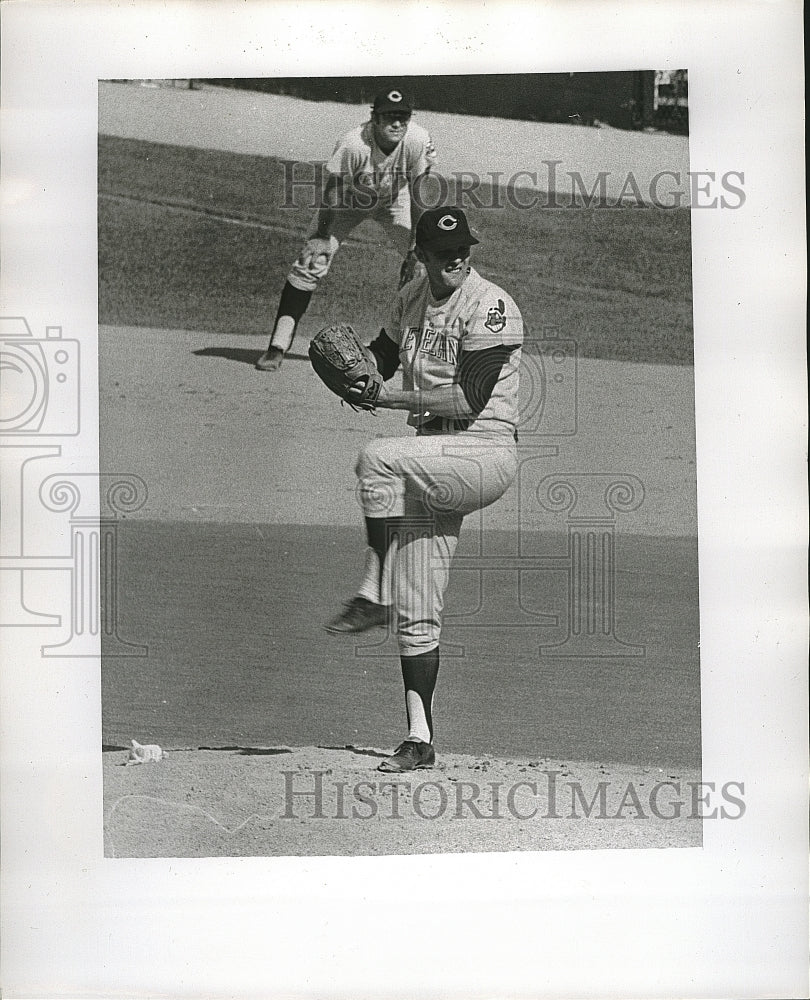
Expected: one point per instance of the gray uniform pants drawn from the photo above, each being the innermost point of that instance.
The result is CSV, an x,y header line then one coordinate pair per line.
x,y
429,483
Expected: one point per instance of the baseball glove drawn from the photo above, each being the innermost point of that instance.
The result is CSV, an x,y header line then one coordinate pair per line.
x,y
345,366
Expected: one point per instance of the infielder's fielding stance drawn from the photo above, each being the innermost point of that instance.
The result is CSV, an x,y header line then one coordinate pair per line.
x,y
458,340
373,173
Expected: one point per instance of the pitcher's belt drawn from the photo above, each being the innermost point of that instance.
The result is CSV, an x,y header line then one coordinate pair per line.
x,y
447,425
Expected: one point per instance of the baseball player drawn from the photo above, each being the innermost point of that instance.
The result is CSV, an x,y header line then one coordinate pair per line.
x,y
374,172
457,338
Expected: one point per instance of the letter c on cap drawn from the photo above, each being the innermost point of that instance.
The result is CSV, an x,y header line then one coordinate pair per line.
x,y
448,223
395,96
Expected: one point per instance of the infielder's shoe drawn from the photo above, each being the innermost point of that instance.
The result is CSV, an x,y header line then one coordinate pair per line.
x,y
408,756
359,615
271,360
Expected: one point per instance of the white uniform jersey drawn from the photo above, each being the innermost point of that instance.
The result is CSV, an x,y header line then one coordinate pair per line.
x,y
432,335
374,178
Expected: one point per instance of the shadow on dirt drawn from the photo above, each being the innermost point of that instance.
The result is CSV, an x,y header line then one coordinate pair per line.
x,y
242,355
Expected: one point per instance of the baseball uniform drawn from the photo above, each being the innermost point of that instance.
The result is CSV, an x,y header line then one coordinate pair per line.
x,y
453,466
373,173
376,186
457,338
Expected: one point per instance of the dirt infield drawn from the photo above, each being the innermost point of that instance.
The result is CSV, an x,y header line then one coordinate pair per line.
x,y
232,613
331,801
240,553
238,445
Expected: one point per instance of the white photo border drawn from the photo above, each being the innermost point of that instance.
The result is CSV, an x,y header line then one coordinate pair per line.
x,y
729,919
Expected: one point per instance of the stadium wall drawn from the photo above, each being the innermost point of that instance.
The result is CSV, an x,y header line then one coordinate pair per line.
x,y
623,99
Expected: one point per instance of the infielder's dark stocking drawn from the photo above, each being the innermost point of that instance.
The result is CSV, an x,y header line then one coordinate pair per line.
x,y
293,304
419,674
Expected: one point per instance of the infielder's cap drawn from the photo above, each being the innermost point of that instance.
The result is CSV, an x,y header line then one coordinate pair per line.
x,y
443,227
394,99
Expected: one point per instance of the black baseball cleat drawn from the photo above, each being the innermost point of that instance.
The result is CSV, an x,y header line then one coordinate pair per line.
x,y
408,756
359,615
271,360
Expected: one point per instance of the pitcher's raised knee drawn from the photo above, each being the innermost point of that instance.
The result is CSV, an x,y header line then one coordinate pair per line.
x,y
380,491
378,457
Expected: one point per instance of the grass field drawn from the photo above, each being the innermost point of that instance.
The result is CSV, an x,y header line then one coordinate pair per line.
x,y
198,239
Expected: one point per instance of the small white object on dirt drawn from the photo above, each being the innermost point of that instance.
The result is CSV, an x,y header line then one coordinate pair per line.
x,y
148,753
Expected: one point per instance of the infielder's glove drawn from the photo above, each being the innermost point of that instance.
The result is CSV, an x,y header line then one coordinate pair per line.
x,y
345,366
318,248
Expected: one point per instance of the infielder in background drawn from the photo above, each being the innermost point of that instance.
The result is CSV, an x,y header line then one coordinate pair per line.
x,y
373,173
458,340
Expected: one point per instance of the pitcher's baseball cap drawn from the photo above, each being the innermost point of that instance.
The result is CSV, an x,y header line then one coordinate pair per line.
x,y
443,227
393,99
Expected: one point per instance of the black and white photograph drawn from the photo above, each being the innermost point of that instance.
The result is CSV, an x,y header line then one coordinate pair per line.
x,y
451,604
403,422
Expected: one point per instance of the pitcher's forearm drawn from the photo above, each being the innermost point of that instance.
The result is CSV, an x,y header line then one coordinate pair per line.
x,y
442,401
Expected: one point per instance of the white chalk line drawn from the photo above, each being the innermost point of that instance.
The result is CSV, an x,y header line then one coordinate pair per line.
x,y
181,806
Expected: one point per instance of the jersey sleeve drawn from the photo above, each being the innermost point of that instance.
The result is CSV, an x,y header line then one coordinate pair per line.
x,y
421,152
345,157
386,354
479,373
495,321
393,325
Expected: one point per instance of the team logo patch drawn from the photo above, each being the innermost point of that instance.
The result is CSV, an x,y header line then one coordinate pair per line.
x,y
448,223
496,317
394,96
